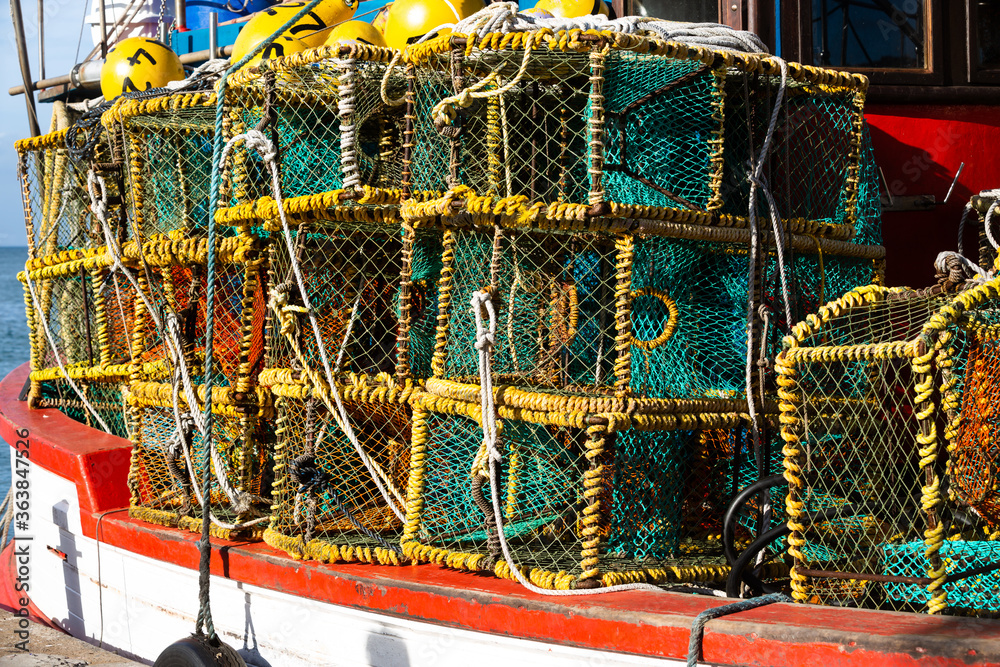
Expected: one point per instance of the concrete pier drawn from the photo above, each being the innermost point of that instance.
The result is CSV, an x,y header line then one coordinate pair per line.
x,y
50,648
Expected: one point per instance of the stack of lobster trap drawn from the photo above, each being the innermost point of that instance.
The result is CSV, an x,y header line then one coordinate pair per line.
x,y
602,192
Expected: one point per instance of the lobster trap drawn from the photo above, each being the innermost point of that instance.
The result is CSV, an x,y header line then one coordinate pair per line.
x,y
886,396
55,195
563,128
168,455
327,502
165,145
335,115
586,499
357,289
659,312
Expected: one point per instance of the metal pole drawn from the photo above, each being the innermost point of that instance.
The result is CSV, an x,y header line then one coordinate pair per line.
x,y
22,57
213,35
41,40
180,14
104,30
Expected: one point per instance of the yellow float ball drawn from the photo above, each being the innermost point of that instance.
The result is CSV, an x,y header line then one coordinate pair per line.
x,y
138,63
411,19
311,29
283,46
383,15
355,31
569,9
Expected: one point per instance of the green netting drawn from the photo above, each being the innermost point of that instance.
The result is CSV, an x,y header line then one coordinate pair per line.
x,y
555,300
707,284
425,273
332,128
977,591
541,493
169,163
662,130
104,396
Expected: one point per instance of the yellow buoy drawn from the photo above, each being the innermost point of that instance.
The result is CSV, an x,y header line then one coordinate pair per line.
x,y
312,29
383,15
139,63
283,46
411,19
355,31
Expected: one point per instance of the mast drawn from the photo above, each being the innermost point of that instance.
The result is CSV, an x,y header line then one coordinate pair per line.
x,y
22,57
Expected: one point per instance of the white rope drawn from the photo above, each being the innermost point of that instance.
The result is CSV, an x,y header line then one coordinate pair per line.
x,y
239,501
757,182
485,339
256,141
348,131
971,268
207,71
988,223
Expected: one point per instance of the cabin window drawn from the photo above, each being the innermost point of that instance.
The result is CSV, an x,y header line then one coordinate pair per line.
x,y
879,34
984,40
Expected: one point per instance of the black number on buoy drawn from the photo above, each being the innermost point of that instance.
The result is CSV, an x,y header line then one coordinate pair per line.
x,y
273,50
129,87
134,58
318,25
287,5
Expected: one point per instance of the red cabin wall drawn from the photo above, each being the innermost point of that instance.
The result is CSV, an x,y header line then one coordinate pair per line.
x,y
919,148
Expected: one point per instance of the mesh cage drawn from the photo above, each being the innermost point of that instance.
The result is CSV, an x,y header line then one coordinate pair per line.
x,y
104,395
583,503
167,148
644,315
175,286
352,274
878,510
556,322
326,505
339,144
565,129
689,310
54,192
166,458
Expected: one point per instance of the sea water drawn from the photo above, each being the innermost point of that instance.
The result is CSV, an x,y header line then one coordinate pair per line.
x,y
14,346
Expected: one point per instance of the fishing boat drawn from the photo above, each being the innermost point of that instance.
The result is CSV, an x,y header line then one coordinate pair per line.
x,y
567,334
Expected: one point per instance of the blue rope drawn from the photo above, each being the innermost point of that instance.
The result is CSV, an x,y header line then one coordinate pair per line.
x,y
204,611
698,627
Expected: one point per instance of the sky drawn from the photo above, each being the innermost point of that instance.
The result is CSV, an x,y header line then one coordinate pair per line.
x,y
62,31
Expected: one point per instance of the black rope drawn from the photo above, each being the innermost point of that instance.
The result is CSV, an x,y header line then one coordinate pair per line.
x,y
314,480
698,627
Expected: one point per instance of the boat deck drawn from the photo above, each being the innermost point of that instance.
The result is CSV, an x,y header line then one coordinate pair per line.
x,y
638,623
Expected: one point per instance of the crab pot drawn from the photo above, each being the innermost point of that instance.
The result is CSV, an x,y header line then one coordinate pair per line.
x,y
585,500
167,146
54,192
167,459
567,128
888,450
660,313
327,503
359,291
339,145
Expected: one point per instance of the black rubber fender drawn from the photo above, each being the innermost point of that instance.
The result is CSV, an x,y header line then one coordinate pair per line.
x,y
199,651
